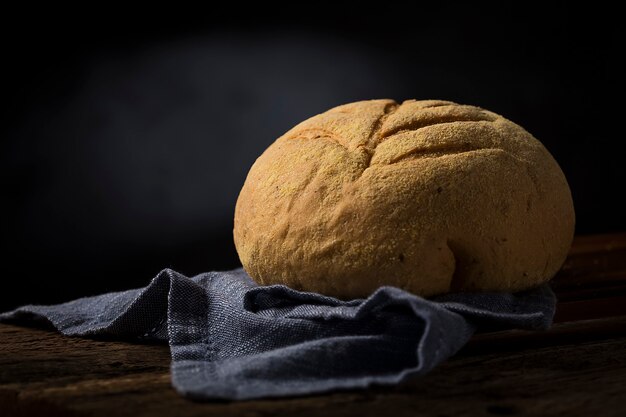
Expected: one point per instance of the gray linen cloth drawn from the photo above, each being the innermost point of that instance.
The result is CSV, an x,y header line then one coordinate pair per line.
x,y
232,339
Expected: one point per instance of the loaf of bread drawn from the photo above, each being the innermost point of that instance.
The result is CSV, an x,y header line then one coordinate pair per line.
x,y
429,196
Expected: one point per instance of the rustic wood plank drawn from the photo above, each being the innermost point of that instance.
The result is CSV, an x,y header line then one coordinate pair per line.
x,y
520,373
592,282
560,334
576,368
593,262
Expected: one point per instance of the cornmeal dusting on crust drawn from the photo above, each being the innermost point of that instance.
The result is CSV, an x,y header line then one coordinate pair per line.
x,y
429,196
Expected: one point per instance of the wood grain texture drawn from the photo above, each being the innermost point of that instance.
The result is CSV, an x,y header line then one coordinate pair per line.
x,y
592,282
576,368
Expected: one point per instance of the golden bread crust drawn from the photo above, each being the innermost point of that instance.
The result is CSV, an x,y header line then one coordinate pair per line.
x,y
428,196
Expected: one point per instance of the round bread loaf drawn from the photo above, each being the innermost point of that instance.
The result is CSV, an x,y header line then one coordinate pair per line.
x,y
429,196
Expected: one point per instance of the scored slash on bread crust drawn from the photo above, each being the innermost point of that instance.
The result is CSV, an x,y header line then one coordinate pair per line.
x,y
429,196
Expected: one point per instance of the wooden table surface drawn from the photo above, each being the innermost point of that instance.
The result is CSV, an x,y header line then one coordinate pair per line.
x,y
578,368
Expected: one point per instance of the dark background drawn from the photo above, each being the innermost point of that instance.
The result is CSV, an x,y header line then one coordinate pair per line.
x,y
127,136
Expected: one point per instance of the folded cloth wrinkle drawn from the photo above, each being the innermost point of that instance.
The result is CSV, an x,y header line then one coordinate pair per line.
x,y
232,339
